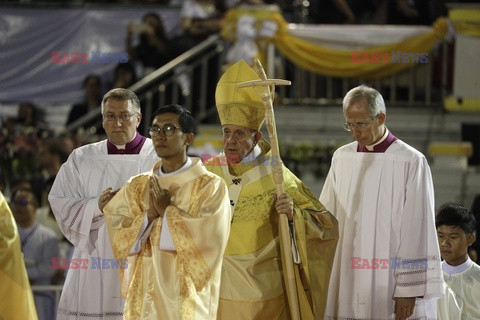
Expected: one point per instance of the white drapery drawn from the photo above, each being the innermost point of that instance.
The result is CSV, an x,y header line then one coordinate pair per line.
x,y
28,36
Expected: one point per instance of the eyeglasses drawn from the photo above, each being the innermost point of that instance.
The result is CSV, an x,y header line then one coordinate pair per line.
x,y
359,125
168,130
237,134
22,203
110,117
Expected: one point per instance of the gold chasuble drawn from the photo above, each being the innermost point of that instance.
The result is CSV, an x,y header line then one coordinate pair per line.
x,y
16,299
252,283
183,283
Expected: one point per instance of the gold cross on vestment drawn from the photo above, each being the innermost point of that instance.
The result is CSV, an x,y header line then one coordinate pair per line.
x,y
267,86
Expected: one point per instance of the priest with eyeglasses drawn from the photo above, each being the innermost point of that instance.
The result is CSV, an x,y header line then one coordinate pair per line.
x,y
77,196
387,263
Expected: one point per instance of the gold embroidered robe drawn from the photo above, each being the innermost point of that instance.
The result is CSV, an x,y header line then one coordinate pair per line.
x,y
252,281
16,300
163,284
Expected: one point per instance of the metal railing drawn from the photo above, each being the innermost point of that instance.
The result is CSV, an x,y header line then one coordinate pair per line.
x,y
412,87
55,289
190,80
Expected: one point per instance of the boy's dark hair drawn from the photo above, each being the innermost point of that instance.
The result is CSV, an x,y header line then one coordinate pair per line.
x,y
452,214
15,183
185,117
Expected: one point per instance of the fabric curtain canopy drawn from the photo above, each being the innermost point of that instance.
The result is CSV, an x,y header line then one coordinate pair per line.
x,y
328,50
466,20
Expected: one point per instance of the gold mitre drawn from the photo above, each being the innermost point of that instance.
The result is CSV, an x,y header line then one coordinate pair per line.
x,y
239,106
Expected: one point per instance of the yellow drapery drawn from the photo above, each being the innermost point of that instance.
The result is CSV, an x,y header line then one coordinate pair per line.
x,y
466,21
16,299
332,62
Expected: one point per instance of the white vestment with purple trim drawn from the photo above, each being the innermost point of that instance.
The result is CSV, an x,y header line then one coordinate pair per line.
x,y
388,246
92,292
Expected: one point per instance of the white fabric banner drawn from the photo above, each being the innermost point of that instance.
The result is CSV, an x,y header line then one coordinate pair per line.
x,y
355,37
28,37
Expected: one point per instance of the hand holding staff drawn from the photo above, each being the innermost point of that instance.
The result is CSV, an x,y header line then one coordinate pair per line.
x,y
266,89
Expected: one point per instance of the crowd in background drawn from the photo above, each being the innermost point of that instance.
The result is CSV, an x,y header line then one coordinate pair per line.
x,y
20,136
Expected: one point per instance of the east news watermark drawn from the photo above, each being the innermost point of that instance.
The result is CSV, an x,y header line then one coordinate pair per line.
x,y
391,263
389,57
93,263
97,57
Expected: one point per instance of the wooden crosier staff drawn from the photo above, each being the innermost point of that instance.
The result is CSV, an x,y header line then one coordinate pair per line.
x,y
267,95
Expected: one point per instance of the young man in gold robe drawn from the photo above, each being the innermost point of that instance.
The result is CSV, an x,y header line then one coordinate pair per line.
x,y
252,278
169,228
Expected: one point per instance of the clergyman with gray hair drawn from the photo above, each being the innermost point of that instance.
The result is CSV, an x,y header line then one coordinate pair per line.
x,y
387,263
92,285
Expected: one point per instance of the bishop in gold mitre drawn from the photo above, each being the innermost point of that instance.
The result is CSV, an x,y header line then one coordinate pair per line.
x,y
252,284
239,106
